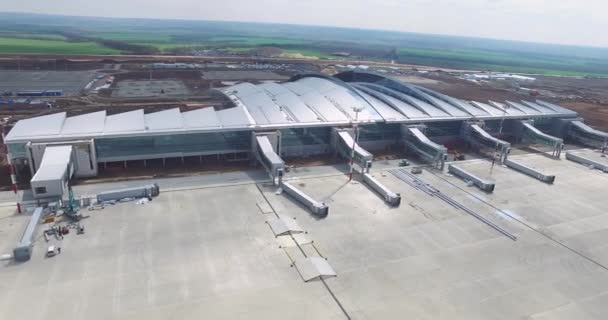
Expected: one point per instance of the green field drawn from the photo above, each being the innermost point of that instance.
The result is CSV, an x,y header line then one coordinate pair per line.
x,y
132,37
27,33
502,61
37,36
17,45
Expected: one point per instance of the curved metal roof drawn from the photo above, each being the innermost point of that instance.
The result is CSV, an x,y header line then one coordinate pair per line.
x,y
304,101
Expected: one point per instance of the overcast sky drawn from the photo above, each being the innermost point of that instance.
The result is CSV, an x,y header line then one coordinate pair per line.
x,y
581,22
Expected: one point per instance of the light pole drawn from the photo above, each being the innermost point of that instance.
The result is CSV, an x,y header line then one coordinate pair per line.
x,y
504,115
355,138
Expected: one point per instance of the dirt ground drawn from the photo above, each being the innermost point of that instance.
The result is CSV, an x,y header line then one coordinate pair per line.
x,y
588,97
595,115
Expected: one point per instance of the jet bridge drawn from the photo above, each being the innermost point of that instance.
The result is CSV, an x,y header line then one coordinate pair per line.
x,y
23,251
416,141
264,150
530,134
586,135
529,171
55,170
603,166
474,134
485,185
266,155
346,146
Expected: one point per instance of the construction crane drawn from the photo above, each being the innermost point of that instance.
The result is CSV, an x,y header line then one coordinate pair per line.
x,y
71,210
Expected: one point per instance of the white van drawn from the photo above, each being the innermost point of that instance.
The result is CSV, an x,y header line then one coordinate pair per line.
x,y
52,251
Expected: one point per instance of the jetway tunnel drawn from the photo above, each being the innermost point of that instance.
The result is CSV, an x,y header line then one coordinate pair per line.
x,y
528,133
475,135
265,147
346,146
584,134
417,142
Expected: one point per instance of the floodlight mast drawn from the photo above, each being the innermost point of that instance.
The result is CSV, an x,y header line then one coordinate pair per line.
x,y
355,141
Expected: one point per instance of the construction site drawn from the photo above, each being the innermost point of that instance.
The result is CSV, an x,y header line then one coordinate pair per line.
x,y
304,192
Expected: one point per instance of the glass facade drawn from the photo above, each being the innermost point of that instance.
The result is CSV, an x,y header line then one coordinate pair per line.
x,y
379,132
195,143
305,136
443,129
17,150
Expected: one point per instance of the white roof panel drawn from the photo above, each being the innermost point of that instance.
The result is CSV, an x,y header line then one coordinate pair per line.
x,y
510,111
54,163
539,107
164,120
522,108
85,124
201,118
40,126
342,98
235,117
453,111
387,112
555,107
261,107
317,102
290,102
124,122
411,111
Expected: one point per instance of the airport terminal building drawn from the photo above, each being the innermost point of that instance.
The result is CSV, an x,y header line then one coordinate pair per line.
x,y
303,116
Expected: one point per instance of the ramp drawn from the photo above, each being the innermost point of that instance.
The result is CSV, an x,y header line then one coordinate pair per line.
x,y
482,184
586,161
420,144
284,225
532,135
314,268
391,198
530,171
479,138
23,251
319,209
270,160
587,136
347,147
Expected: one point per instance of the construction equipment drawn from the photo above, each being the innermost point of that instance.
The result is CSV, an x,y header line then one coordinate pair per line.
x,y
71,210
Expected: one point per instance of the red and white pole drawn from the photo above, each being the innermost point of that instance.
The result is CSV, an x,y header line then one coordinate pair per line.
x,y
11,170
